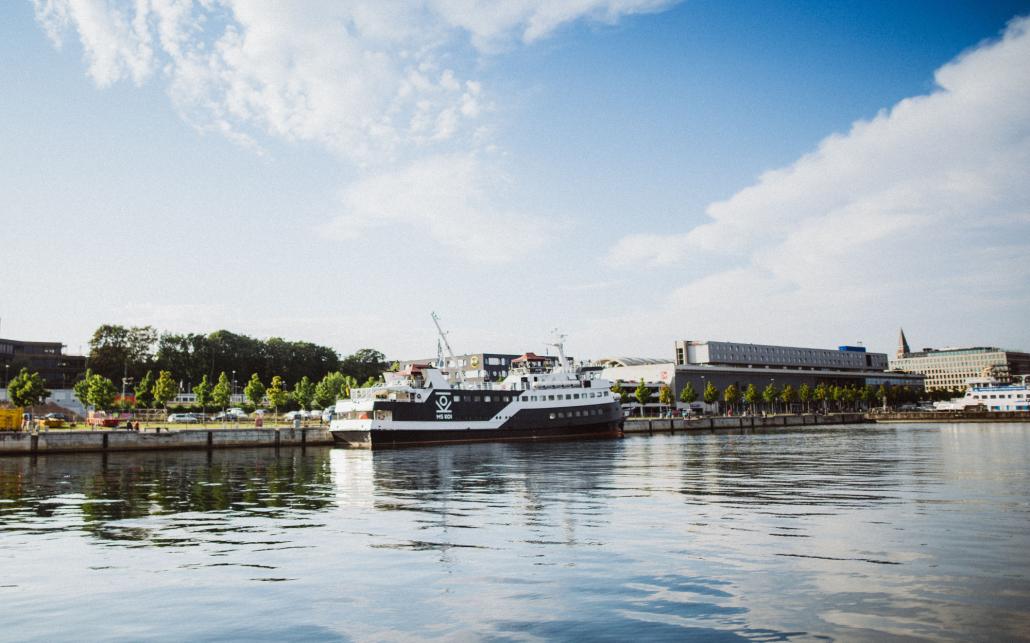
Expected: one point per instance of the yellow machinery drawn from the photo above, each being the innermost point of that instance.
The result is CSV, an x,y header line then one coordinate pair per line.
x,y
10,419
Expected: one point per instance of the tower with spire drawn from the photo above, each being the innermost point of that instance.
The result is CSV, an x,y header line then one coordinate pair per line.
x,y
903,348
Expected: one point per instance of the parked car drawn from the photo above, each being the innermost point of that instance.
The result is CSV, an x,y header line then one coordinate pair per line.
x,y
258,413
183,418
236,412
293,415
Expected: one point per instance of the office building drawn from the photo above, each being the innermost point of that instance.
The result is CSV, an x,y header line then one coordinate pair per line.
x,y
59,371
950,368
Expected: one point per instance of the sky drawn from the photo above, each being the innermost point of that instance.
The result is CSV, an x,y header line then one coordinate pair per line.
x,y
630,172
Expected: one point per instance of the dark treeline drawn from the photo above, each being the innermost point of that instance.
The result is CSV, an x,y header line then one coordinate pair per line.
x,y
116,351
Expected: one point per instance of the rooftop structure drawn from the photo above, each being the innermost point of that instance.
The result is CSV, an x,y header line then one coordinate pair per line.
x,y
845,358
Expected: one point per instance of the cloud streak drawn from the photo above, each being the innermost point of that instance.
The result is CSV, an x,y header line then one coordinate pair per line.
x,y
925,207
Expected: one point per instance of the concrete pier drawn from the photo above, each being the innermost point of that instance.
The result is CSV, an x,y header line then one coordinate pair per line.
x,y
737,423
27,443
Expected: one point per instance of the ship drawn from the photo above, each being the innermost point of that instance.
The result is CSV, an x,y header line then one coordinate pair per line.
x,y
426,403
989,394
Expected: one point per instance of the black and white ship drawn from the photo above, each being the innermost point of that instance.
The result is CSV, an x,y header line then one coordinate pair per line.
x,y
425,404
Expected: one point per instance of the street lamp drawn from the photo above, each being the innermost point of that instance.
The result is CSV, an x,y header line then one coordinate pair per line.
x,y
234,382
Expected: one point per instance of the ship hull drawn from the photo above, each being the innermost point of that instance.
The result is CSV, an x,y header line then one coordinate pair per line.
x,y
392,438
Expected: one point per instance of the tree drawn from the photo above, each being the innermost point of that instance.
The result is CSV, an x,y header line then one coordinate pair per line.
x,y
330,389
143,390
255,390
805,395
164,389
710,394
820,394
221,394
665,395
751,396
731,395
203,393
618,390
101,392
769,394
364,364
788,395
26,389
687,394
276,393
642,394
114,349
81,387
837,395
304,392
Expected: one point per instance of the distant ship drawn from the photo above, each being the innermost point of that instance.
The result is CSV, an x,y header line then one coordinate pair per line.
x,y
536,401
990,394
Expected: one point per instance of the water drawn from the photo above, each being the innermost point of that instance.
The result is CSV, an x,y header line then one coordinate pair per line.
x,y
851,533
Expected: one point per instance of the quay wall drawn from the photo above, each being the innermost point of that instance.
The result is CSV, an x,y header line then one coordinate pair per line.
x,y
24,442
952,416
646,425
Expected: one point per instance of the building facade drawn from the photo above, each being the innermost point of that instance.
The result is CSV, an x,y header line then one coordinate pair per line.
x,y
950,368
59,371
724,363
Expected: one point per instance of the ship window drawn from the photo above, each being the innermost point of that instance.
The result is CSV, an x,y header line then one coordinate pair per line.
x,y
457,398
550,397
486,399
552,416
575,396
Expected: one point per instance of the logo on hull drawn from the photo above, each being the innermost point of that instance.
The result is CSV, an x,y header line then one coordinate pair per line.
x,y
443,407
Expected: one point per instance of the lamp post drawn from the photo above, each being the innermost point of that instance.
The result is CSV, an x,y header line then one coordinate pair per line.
x,y
234,382
7,375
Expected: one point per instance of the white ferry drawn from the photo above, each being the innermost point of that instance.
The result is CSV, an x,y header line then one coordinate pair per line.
x,y
420,405
992,395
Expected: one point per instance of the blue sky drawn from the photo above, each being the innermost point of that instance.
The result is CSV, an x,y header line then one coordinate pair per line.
x,y
632,172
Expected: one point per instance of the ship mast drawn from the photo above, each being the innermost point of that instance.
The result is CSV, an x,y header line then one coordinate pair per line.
x,y
560,345
450,353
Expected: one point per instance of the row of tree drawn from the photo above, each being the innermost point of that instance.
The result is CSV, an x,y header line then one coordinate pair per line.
x,y
118,351
826,397
100,392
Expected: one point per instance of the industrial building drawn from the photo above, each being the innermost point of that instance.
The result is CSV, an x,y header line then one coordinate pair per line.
x,y
950,368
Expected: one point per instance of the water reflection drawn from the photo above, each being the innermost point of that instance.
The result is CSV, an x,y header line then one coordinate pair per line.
x,y
101,489
820,533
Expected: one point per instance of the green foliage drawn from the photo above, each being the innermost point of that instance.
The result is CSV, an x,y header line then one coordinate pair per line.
x,y
81,387
820,394
805,394
164,389
711,393
622,393
26,389
364,364
115,349
255,390
304,392
101,392
642,394
788,395
333,387
143,390
751,395
688,395
769,393
203,392
276,393
731,395
665,395
222,392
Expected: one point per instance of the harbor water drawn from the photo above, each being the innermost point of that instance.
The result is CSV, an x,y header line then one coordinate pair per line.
x,y
871,532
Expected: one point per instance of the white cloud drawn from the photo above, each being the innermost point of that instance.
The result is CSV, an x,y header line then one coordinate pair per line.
x,y
366,79
921,212
449,197
380,83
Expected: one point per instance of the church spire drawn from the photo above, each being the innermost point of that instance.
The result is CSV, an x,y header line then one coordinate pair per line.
x,y
903,348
